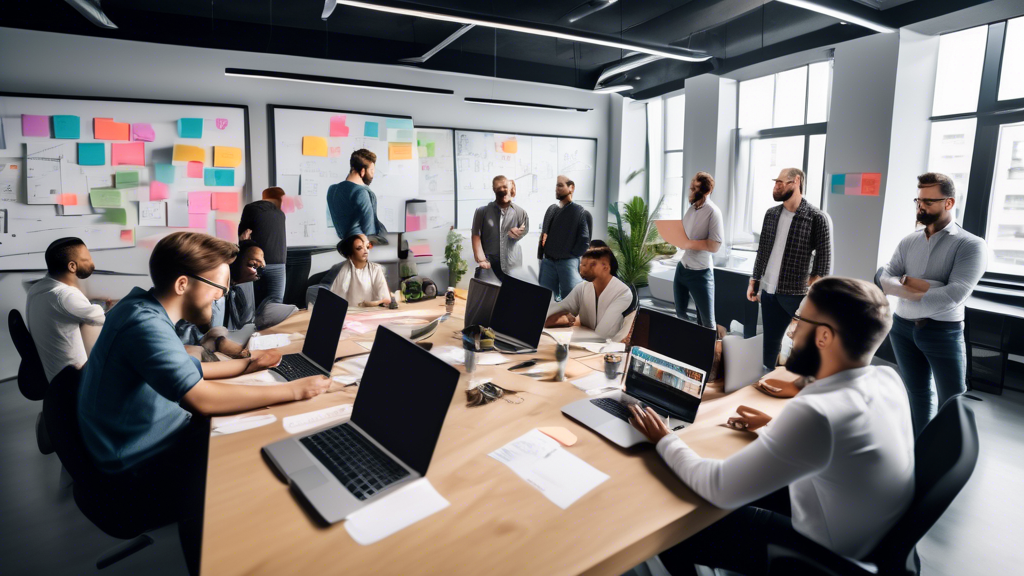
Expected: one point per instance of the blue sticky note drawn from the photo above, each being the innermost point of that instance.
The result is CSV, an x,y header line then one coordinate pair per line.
x,y
399,123
370,130
190,128
91,154
219,177
838,184
67,127
164,173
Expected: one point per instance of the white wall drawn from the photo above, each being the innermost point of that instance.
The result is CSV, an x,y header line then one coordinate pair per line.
x,y
41,62
711,103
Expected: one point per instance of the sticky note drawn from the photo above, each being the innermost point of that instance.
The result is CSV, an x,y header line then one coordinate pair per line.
x,y
128,153
164,173
334,152
67,200
431,149
870,184
91,154
221,123
198,202
105,197
69,127
194,170
127,235
422,151
186,153
143,132
288,204
190,127
562,435
371,130
226,230
338,127
399,123
400,151
852,185
158,191
314,146
403,136
226,156
126,179
838,184
225,201
510,146
197,221
32,125
116,215
107,129
219,177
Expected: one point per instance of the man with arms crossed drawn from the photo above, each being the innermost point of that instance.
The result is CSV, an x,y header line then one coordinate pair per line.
x,y
497,229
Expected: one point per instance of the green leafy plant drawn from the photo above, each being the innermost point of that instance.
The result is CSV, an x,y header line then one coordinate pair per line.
x,y
635,243
457,266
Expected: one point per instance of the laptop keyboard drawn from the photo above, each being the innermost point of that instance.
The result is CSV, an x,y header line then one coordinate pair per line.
x,y
613,407
294,366
359,465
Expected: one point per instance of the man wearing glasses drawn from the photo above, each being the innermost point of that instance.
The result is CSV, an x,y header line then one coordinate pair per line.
x,y
795,250
933,272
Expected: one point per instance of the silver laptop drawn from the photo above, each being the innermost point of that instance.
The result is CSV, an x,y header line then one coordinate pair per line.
x,y
389,441
321,343
742,359
518,317
671,387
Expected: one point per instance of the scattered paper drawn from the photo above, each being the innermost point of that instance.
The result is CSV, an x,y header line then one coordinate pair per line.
x,y
107,129
32,125
402,508
186,153
219,177
560,476
164,173
268,341
190,128
457,355
242,424
143,132
226,156
152,213
91,154
314,146
370,130
317,418
562,435
596,383
68,127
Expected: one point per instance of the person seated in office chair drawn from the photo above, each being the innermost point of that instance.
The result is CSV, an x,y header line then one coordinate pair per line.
x,y
599,301
359,281
142,398
844,445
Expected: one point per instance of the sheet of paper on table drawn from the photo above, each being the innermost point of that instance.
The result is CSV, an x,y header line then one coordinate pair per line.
x,y
559,475
317,418
457,355
596,383
402,508
243,424
600,347
268,341
261,378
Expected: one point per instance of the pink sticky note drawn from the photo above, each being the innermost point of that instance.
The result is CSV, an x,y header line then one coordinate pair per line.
x,y
197,221
198,202
158,191
338,128
227,230
194,170
288,204
127,235
131,154
225,201
334,152
143,132
32,125
222,123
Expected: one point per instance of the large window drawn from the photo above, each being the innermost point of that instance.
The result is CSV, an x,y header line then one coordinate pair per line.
x,y
665,126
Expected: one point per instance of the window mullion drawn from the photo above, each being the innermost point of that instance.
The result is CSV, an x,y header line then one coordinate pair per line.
x,y
988,95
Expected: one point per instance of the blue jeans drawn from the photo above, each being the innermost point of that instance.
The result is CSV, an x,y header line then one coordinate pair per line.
x,y
274,279
701,285
559,276
776,313
926,355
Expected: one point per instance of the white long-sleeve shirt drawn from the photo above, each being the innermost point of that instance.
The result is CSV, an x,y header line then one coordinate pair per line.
x,y
55,312
844,446
358,285
602,315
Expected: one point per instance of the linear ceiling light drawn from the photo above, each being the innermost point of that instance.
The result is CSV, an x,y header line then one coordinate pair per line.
x,y
514,104
444,44
625,66
588,9
613,89
349,82
839,15
501,23
93,12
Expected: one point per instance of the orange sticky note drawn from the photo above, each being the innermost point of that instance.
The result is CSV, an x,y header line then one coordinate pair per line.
x,y
510,146
127,235
131,154
870,184
186,153
225,201
226,156
314,146
107,129
194,170
399,150
562,435
67,200
227,230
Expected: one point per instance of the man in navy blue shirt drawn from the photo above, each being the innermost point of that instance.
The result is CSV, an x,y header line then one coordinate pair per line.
x,y
352,204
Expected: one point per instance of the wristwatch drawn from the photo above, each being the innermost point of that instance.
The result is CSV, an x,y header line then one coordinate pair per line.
x,y
903,280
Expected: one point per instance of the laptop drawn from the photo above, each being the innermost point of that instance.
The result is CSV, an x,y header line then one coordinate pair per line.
x,y
321,343
679,339
742,359
518,316
388,442
480,302
672,388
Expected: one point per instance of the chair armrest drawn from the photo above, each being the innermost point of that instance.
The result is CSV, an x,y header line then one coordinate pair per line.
x,y
812,558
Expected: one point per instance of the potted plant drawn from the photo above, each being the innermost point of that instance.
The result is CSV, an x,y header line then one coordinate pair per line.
x,y
457,266
635,243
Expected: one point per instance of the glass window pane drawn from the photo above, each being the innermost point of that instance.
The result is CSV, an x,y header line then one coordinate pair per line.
x,y
1011,78
950,153
675,109
672,189
819,79
768,158
1005,231
790,97
815,169
958,76
757,99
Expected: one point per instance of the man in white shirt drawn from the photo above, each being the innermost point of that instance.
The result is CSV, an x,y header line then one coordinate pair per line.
x,y
599,302
56,307
359,281
844,445
702,225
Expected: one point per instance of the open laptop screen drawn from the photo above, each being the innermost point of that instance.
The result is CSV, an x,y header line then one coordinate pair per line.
x,y
325,326
673,385
676,338
480,302
520,310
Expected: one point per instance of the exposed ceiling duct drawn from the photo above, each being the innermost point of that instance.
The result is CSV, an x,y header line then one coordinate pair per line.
x,y
441,46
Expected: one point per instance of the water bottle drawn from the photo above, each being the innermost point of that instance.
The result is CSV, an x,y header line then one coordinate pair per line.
x,y
449,300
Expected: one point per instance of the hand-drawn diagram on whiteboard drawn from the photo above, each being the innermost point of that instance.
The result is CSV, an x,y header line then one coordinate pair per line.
x,y
437,175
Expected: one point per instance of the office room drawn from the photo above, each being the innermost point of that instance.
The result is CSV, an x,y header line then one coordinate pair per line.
x,y
613,287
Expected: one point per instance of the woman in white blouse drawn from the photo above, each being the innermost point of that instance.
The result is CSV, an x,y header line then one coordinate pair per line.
x,y
360,281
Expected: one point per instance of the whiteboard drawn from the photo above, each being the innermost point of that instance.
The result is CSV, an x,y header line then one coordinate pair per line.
x,y
40,169
436,151
395,181
533,161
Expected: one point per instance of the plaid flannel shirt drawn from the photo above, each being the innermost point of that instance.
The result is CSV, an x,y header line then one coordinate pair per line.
x,y
809,238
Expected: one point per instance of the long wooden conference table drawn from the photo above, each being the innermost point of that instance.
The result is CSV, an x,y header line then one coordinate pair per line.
x,y
496,523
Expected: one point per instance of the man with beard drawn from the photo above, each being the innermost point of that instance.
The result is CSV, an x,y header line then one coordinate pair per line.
x,y
933,271
844,445
497,229
142,400
352,204
599,301
565,236
695,275
794,251
56,307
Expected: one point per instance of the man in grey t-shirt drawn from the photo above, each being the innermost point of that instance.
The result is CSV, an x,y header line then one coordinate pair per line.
x,y
704,232
497,229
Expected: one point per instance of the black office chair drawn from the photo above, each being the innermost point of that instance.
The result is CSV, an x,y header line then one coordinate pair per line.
x,y
31,378
945,455
634,304
313,281
878,278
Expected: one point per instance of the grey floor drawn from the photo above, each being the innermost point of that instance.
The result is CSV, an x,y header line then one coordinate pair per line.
x,y
42,532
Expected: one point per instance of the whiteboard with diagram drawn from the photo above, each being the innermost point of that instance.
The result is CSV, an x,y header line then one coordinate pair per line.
x,y
436,151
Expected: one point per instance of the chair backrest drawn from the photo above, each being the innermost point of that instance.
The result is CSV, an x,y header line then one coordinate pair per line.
x,y
634,304
944,458
878,278
31,378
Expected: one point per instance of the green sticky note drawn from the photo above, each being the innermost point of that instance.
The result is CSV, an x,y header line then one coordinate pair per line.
x,y
105,198
91,154
190,128
116,215
430,149
126,179
67,127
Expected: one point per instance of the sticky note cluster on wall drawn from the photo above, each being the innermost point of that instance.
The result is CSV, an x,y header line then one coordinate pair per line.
x,y
862,184
107,129
186,153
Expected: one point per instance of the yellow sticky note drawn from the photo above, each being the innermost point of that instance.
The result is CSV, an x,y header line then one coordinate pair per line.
x,y
314,146
226,156
399,150
186,153
562,435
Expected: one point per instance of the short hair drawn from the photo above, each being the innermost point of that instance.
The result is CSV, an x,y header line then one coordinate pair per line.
x,y
347,246
568,182
945,183
243,247
793,173
361,159
273,193
497,179
184,253
860,312
705,183
598,243
60,253
604,253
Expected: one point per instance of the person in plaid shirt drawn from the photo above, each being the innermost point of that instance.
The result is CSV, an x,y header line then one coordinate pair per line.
x,y
795,250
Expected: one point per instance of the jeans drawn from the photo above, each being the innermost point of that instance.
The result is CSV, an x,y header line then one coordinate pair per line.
x,y
559,276
701,285
273,279
925,355
776,313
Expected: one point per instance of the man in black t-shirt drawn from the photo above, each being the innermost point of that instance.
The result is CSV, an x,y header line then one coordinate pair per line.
x,y
263,222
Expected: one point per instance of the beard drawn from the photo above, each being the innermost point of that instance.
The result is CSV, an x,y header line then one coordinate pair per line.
x,y
927,219
588,276
367,179
783,196
562,196
696,197
805,359
83,273
196,314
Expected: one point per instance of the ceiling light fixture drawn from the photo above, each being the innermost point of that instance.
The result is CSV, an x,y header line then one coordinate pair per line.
x,y
500,23
839,15
444,44
93,12
515,104
588,9
613,89
625,66
329,81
